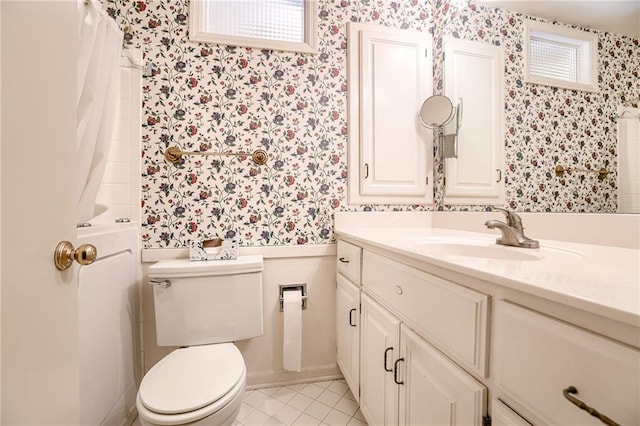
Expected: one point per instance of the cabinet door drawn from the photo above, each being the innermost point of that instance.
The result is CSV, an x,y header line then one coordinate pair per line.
x,y
502,415
474,72
348,332
380,347
390,75
434,390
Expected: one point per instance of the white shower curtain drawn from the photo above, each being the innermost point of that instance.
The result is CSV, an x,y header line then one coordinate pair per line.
x,y
99,47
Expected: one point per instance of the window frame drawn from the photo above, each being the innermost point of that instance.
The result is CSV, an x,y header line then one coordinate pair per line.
x,y
198,33
586,44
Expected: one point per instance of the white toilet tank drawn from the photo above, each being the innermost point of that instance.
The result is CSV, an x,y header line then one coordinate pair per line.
x,y
205,302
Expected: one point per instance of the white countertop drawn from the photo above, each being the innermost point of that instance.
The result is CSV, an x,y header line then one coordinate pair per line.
x,y
600,279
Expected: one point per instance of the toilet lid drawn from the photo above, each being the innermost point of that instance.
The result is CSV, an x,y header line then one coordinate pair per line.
x,y
191,378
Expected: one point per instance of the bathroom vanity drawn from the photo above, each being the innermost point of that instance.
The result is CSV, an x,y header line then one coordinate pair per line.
x,y
440,326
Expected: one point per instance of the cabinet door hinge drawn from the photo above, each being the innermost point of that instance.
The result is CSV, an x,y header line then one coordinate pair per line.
x,y
486,420
426,53
427,180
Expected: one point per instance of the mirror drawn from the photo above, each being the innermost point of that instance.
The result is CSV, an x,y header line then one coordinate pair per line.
x,y
546,126
436,111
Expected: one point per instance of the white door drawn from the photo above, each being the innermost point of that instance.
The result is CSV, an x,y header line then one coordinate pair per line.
x,y
39,307
435,391
348,332
379,348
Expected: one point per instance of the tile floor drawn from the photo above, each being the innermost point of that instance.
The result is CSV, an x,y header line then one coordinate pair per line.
x,y
320,403
327,403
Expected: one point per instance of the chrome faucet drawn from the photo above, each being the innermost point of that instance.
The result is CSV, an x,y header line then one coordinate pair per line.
x,y
512,231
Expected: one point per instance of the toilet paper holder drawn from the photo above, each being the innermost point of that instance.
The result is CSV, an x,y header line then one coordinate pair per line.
x,y
290,287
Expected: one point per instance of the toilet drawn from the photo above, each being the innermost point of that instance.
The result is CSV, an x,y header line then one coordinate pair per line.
x,y
202,307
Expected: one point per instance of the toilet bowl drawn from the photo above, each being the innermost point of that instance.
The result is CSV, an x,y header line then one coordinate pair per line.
x,y
202,307
199,385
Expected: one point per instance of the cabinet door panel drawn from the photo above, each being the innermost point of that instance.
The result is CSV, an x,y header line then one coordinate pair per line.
x,y
348,332
435,390
390,75
380,347
474,72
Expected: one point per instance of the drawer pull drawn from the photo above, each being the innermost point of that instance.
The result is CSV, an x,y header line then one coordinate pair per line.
x,y
386,351
395,371
351,322
343,260
572,390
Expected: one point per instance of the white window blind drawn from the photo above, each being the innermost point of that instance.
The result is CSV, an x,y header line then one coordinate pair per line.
x,y
281,20
553,59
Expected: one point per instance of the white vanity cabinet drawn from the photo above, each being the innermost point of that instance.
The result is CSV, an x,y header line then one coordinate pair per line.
x,y
404,377
348,314
442,342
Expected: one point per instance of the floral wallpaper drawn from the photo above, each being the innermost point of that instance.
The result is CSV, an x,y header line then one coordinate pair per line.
x,y
220,98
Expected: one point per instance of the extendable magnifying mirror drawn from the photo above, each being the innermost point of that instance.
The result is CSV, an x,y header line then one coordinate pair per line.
x,y
436,112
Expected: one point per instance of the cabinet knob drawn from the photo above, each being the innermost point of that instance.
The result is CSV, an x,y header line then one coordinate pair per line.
x,y
399,290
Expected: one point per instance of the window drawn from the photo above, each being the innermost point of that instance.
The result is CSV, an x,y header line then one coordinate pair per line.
x,y
263,24
560,56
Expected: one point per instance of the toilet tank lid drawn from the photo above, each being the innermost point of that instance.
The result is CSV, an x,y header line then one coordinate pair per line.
x,y
168,268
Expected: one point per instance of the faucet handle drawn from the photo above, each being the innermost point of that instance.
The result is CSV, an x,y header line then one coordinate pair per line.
x,y
512,219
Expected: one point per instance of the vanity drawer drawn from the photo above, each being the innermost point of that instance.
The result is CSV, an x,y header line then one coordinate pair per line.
x,y
536,357
453,318
349,260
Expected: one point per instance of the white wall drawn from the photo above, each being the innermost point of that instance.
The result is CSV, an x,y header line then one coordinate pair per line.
x,y
263,355
628,160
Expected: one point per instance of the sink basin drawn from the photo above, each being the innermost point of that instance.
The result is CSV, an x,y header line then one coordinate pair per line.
x,y
483,249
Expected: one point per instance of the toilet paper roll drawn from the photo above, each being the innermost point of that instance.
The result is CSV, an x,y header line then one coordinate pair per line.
x,y
292,342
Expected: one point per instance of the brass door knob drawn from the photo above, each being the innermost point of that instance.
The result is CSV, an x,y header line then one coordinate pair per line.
x,y
65,254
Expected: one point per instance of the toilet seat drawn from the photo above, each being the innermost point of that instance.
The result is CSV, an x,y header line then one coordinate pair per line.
x,y
193,382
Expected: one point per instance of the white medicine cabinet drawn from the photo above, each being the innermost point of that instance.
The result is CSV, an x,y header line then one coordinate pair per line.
x,y
390,154
474,72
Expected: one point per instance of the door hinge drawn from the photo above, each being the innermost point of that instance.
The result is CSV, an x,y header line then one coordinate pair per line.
x,y
427,180
486,420
426,53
